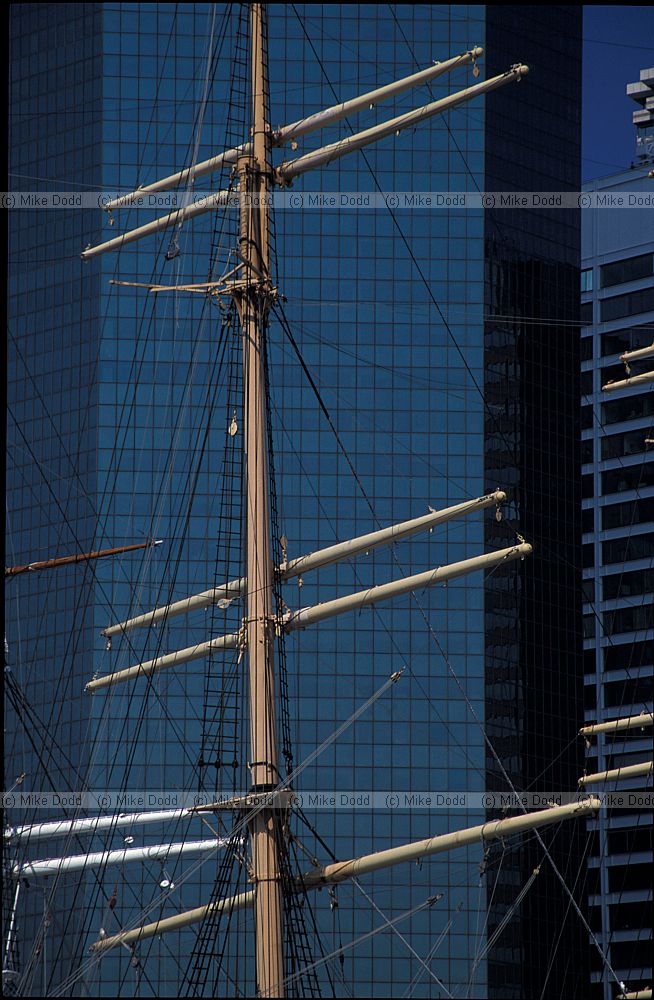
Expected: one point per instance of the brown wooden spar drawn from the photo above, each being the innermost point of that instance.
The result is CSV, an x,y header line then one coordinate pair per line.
x,y
80,557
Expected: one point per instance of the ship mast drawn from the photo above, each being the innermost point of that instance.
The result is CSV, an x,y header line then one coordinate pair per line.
x,y
253,298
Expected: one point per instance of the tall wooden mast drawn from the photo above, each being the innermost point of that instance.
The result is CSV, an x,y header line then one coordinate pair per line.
x,y
253,303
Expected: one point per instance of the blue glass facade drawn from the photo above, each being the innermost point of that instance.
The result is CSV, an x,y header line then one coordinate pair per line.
x,y
618,477
121,433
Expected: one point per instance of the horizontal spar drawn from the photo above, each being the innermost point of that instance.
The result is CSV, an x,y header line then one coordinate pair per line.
x,y
302,127
188,604
340,871
94,824
309,616
323,118
290,169
286,172
79,557
176,922
386,536
314,560
614,725
639,354
629,383
166,661
175,218
385,591
617,774
182,177
122,856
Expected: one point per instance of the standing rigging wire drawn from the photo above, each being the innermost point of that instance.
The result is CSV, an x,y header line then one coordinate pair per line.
x,y
130,699
275,532
477,386
476,718
204,959
85,418
235,135
174,249
240,828
140,721
222,694
380,618
504,239
169,44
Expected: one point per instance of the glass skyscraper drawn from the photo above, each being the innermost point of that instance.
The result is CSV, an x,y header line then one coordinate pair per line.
x,y
443,346
618,524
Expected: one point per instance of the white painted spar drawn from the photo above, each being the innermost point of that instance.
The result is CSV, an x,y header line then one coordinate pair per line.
x,y
197,602
629,383
302,127
121,856
181,177
175,218
176,922
93,824
309,616
632,722
314,560
637,355
290,169
166,661
386,536
385,591
339,871
616,774
322,118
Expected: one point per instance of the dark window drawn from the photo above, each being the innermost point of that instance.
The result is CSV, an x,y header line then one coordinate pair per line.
x,y
629,408
630,269
628,619
634,691
595,918
586,417
631,954
586,383
587,520
629,339
586,313
620,515
586,348
628,916
639,581
633,477
629,443
587,451
629,656
589,626
627,305
587,487
587,556
624,842
619,550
